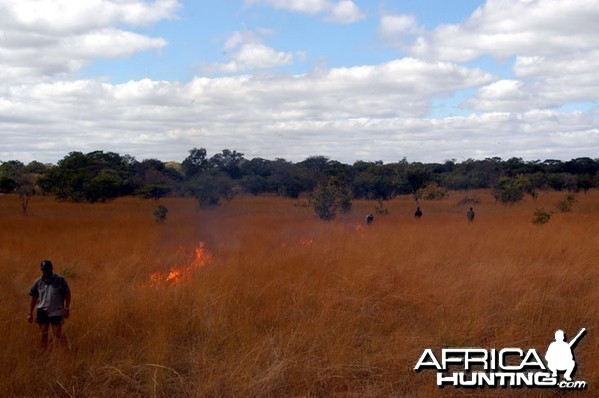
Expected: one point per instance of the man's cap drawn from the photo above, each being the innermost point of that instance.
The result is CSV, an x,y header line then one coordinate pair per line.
x,y
46,264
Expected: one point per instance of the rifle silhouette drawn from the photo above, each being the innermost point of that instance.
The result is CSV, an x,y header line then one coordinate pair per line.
x,y
573,341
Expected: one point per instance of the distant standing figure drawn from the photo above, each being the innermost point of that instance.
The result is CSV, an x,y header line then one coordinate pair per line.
x,y
51,295
418,213
470,215
369,218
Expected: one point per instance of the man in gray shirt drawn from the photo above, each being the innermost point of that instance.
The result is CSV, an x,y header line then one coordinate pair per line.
x,y
51,295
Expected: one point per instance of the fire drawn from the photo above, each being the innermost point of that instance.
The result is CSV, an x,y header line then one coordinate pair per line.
x,y
201,258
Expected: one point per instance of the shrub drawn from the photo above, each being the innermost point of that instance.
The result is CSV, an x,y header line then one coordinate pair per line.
x,y
507,190
328,198
324,202
540,216
160,214
469,200
433,192
565,205
380,209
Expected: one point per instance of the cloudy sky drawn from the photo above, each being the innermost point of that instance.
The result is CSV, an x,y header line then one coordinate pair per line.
x,y
428,80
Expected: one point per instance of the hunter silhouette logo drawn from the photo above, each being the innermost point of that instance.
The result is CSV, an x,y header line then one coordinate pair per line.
x,y
559,355
506,367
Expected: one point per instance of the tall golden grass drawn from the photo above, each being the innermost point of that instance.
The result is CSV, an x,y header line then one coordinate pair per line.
x,y
290,305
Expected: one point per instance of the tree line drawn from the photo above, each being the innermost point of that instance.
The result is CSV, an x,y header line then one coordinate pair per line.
x,y
100,176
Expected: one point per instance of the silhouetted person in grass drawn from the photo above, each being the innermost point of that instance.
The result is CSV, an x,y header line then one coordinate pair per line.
x,y
470,215
51,295
369,218
418,213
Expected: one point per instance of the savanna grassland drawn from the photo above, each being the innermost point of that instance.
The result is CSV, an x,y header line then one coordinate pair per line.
x,y
283,304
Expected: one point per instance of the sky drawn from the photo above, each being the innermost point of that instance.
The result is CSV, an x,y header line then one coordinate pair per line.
x,y
425,80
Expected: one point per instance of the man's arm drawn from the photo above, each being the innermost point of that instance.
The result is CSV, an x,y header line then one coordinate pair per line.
x,y
67,304
32,304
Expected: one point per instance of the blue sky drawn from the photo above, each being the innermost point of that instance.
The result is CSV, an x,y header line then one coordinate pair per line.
x,y
351,80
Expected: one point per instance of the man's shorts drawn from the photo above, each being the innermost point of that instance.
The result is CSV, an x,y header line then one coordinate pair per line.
x,y
43,318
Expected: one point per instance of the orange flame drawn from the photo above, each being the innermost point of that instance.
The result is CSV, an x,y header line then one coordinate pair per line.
x,y
201,258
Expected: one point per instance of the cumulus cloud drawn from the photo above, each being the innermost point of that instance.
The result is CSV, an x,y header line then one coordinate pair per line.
x,y
53,37
547,82
372,112
72,17
238,111
246,52
342,11
373,115
553,44
504,28
398,24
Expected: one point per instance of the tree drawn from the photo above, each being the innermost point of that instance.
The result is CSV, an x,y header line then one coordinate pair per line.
x,y
96,176
227,162
106,185
195,163
153,191
25,191
507,190
326,199
210,189
7,184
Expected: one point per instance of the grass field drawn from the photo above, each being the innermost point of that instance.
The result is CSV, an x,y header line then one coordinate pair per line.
x,y
281,304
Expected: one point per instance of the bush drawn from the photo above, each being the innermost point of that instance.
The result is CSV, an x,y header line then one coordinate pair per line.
x,y
507,190
433,192
325,203
328,198
565,205
469,200
160,214
540,216
380,209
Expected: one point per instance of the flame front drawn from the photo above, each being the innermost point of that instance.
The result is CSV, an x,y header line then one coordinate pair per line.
x,y
201,258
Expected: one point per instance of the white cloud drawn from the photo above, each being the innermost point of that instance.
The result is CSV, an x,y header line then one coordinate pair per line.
x,y
553,43
246,52
54,37
345,11
398,24
249,113
504,28
342,11
502,96
370,111
67,16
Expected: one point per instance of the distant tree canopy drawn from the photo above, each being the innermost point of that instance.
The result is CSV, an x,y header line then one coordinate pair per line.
x,y
99,176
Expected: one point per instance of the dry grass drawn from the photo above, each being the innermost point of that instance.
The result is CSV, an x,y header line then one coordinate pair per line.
x,y
289,305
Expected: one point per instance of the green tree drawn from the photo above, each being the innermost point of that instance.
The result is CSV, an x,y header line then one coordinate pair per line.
x,y
227,162
7,184
106,185
327,198
210,189
325,204
195,163
154,191
507,190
